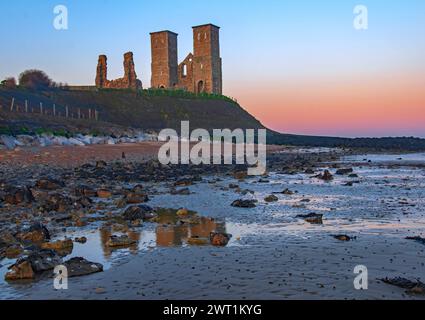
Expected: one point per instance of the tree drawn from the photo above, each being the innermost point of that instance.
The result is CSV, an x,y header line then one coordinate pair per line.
x,y
9,83
35,80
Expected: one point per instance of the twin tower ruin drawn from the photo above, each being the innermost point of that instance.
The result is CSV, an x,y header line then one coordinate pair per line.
x,y
200,71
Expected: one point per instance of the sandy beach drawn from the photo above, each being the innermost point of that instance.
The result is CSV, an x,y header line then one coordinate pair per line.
x,y
273,253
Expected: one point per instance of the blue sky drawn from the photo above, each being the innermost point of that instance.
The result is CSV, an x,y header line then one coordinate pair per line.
x,y
264,44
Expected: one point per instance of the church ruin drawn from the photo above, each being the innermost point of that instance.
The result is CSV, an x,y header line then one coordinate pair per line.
x,y
199,72
129,81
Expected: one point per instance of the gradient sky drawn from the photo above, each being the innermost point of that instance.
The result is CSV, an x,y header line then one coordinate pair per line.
x,y
299,66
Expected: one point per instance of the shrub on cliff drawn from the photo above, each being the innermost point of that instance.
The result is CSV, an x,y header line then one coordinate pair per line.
x,y
9,83
35,80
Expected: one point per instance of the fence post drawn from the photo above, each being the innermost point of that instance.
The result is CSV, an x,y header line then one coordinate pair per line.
x,y
12,104
66,111
89,113
26,106
41,107
54,110
79,113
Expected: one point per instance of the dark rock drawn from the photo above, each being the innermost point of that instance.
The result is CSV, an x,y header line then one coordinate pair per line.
x,y
312,218
287,192
240,175
83,202
20,271
342,172
56,202
79,267
413,287
342,237
181,192
13,251
36,233
49,184
184,182
7,239
104,194
133,198
141,212
84,191
271,198
101,164
15,196
244,203
41,260
418,239
138,189
220,239
81,240
59,245
326,176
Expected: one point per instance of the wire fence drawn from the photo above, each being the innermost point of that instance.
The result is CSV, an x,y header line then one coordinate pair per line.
x,y
54,110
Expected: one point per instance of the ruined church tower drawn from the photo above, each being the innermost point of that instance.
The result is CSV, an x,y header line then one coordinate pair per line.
x,y
207,69
199,72
164,60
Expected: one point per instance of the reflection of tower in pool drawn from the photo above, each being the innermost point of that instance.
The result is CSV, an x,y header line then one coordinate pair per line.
x,y
205,227
135,236
172,235
168,236
106,233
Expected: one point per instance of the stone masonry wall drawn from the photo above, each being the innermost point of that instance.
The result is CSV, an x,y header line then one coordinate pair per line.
x,y
129,81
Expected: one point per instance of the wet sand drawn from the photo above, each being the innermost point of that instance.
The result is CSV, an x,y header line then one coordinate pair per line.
x,y
73,156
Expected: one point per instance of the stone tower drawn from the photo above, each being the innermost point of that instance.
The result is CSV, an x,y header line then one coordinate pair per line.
x,y
102,72
164,60
207,70
129,81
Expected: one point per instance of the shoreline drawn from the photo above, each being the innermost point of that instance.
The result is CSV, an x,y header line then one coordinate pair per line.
x,y
272,251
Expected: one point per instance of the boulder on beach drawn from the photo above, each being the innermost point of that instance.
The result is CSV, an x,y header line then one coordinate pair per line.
x,y
16,196
180,192
134,198
220,239
342,237
36,233
313,218
417,239
412,287
141,212
325,176
20,271
345,171
244,203
35,263
271,198
104,194
49,184
58,245
80,267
